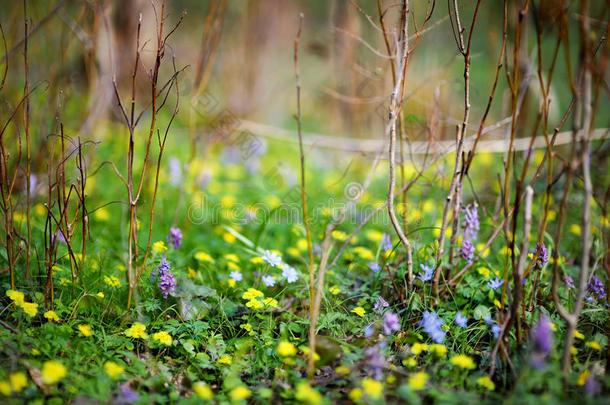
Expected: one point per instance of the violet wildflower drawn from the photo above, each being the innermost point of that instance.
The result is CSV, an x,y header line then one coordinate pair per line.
x,y
386,242
428,272
542,254
289,273
236,275
592,387
596,287
391,323
175,171
272,258
368,331
33,184
167,281
380,305
374,267
495,329
432,324
542,339
569,282
175,237
471,222
495,283
375,360
269,281
127,395
461,320
467,250
488,320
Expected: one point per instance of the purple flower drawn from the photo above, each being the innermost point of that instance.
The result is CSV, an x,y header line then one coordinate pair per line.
x,y
269,281
569,282
488,319
495,329
386,242
461,320
175,171
592,387
368,331
432,324
33,184
167,281
375,360
542,254
495,283
471,222
467,250
596,287
542,340
380,305
391,323
428,272
272,258
374,267
175,237
127,395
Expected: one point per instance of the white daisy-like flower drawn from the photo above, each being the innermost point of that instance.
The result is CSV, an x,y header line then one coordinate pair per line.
x,y
236,275
290,273
272,258
269,281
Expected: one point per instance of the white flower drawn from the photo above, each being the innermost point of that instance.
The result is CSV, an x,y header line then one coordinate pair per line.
x,y
269,281
272,258
290,273
236,275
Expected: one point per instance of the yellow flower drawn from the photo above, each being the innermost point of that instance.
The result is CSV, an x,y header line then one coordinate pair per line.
x,y
233,266
254,304
137,330
334,290
203,390
257,260
302,244
232,282
484,271
573,350
18,381
5,388
85,329
575,229
204,257
30,308
593,345
374,236
286,349
358,311
163,338
292,251
229,237
51,316
100,294
191,273
342,370
270,302
486,382
17,297
417,348
391,379
498,304
339,235
305,393
252,293
418,381
225,360
364,253
578,335
113,370
52,372
582,377
159,247
372,388
355,394
410,361
240,392
553,326
246,326
232,257
101,214
463,361
112,281
438,349
228,201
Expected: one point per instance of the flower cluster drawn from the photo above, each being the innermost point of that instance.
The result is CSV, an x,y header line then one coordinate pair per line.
x,y
257,301
167,281
433,325
542,255
471,230
542,339
596,287
175,237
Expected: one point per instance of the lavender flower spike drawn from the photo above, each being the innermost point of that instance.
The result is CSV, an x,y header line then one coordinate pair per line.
x,y
167,281
471,222
175,237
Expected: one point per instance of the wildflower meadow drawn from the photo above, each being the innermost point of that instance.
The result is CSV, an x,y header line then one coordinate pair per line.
x,y
304,202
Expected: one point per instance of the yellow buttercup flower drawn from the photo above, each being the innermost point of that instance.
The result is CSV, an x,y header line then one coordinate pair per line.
x,y
203,390
232,257
225,360
438,349
240,392
18,381
286,349
163,338
374,236
358,311
137,330
51,316
463,361
582,377
578,335
410,361
355,394
418,348
204,257
52,372
30,308
5,388
85,329
334,290
112,281
252,293
100,294
229,237
344,370
159,247
418,381
302,244
339,235
372,388
305,393
17,297
113,370
593,345
486,382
